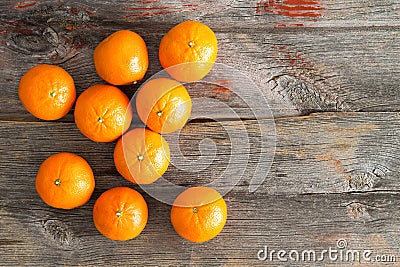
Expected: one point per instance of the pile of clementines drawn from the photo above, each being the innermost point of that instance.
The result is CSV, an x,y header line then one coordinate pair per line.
x,y
103,113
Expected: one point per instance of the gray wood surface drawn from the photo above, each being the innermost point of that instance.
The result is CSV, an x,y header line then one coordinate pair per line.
x,y
330,71
299,69
334,176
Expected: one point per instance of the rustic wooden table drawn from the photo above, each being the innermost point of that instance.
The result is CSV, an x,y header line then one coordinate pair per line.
x,y
331,73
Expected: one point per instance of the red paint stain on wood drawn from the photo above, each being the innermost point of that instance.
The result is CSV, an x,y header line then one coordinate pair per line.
x,y
331,160
191,5
87,10
25,4
222,88
291,8
74,10
302,2
222,91
294,59
223,82
284,25
80,8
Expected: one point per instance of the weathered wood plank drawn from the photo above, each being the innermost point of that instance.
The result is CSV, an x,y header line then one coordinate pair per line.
x,y
315,150
334,176
262,13
34,234
321,153
297,69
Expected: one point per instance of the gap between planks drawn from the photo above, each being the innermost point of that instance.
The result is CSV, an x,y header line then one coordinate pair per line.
x,y
26,118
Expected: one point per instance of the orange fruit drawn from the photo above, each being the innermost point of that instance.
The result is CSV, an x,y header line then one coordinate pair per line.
x,y
189,42
141,156
198,214
103,113
65,181
164,105
120,213
121,58
47,92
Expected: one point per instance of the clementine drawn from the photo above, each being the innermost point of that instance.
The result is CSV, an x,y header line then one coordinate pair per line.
x,y
103,113
120,213
188,51
141,156
47,92
121,58
198,214
65,181
164,105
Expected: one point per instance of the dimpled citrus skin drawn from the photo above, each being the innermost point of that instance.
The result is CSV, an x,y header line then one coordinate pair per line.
x,y
65,181
189,41
103,113
121,58
47,92
120,213
141,156
164,105
199,214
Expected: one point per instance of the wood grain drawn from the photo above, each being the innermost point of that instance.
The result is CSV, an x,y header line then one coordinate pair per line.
x,y
320,153
330,73
334,176
241,13
294,72
34,234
